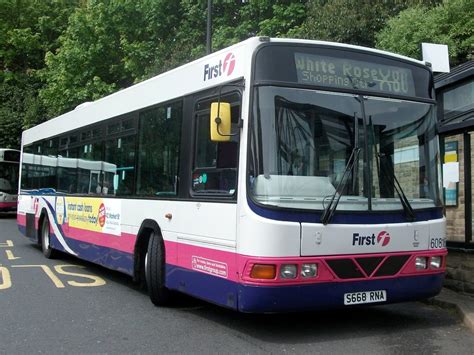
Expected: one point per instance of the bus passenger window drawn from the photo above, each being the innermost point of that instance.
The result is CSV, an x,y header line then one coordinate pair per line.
x,y
89,166
67,170
120,162
158,152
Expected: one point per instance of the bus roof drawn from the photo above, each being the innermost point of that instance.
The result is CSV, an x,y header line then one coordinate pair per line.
x,y
198,75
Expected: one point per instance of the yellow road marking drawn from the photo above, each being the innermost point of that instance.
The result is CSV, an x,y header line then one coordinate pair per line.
x,y
97,281
57,282
10,255
7,244
6,279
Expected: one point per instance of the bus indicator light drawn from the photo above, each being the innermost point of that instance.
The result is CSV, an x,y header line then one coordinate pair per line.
x,y
263,271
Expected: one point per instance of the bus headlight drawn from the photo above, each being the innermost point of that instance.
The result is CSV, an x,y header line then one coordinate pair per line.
x,y
309,270
288,271
435,262
421,262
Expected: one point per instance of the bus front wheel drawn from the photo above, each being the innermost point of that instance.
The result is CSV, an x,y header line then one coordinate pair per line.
x,y
155,271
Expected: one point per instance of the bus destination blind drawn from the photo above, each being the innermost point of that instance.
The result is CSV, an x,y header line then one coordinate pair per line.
x,y
353,74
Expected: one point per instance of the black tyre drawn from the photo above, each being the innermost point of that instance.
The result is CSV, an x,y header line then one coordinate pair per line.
x,y
46,240
155,271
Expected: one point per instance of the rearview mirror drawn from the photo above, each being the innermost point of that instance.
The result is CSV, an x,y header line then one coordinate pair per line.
x,y
220,124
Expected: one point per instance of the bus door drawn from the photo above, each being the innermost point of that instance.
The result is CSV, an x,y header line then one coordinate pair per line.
x,y
212,213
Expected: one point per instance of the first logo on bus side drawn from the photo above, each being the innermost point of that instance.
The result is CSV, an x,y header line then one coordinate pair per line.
x,y
215,70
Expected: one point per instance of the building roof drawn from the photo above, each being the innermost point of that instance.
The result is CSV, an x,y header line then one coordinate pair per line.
x,y
456,74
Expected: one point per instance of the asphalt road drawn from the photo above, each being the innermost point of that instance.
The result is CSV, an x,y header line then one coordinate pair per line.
x,y
70,306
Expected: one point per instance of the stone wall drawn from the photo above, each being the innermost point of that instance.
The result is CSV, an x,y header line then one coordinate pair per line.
x,y
460,271
455,216
408,175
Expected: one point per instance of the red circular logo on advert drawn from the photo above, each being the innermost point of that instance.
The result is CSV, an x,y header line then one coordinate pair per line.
x,y
229,63
383,238
101,216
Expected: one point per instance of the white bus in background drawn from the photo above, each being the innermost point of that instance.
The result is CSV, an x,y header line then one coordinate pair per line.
x,y
9,167
264,177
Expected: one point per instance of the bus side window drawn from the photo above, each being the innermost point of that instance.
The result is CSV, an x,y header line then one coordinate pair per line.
x,y
159,149
215,163
120,157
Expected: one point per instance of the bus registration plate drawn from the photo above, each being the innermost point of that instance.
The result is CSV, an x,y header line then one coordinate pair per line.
x,y
365,297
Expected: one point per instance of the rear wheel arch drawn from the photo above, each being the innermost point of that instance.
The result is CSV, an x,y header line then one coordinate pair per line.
x,y
150,262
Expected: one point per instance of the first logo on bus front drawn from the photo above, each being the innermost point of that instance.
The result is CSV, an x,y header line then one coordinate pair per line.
x,y
382,239
220,68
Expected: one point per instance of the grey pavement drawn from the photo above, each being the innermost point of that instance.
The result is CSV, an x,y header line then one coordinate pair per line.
x,y
463,304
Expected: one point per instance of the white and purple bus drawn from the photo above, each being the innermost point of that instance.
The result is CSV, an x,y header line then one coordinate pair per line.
x,y
274,175
9,167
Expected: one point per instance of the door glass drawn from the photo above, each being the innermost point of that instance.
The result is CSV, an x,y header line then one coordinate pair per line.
x,y
453,187
215,163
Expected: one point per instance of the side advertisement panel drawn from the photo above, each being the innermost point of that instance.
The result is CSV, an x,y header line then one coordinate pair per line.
x,y
92,214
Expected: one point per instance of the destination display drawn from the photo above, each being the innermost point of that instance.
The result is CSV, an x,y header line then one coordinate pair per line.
x,y
353,74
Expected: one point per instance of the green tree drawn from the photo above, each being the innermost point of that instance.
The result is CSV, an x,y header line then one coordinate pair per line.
x,y
351,21
450,23
236,21
232,22
186,39
28,29
105,47
111,44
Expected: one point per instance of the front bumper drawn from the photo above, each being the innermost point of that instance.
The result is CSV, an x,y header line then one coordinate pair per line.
x,y
294,298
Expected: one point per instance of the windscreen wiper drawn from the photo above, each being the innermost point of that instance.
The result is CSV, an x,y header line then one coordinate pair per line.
x,y
409,212
331,207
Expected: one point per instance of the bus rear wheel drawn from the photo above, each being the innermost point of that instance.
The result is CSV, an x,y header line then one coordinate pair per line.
x,y
155,271
46,240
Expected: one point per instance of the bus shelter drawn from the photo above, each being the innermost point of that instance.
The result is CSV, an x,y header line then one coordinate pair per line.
x,y
455,95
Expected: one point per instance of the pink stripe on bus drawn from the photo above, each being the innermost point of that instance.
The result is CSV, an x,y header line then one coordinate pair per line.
x,y
236,267
125,242
7,204
206,260
21,219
